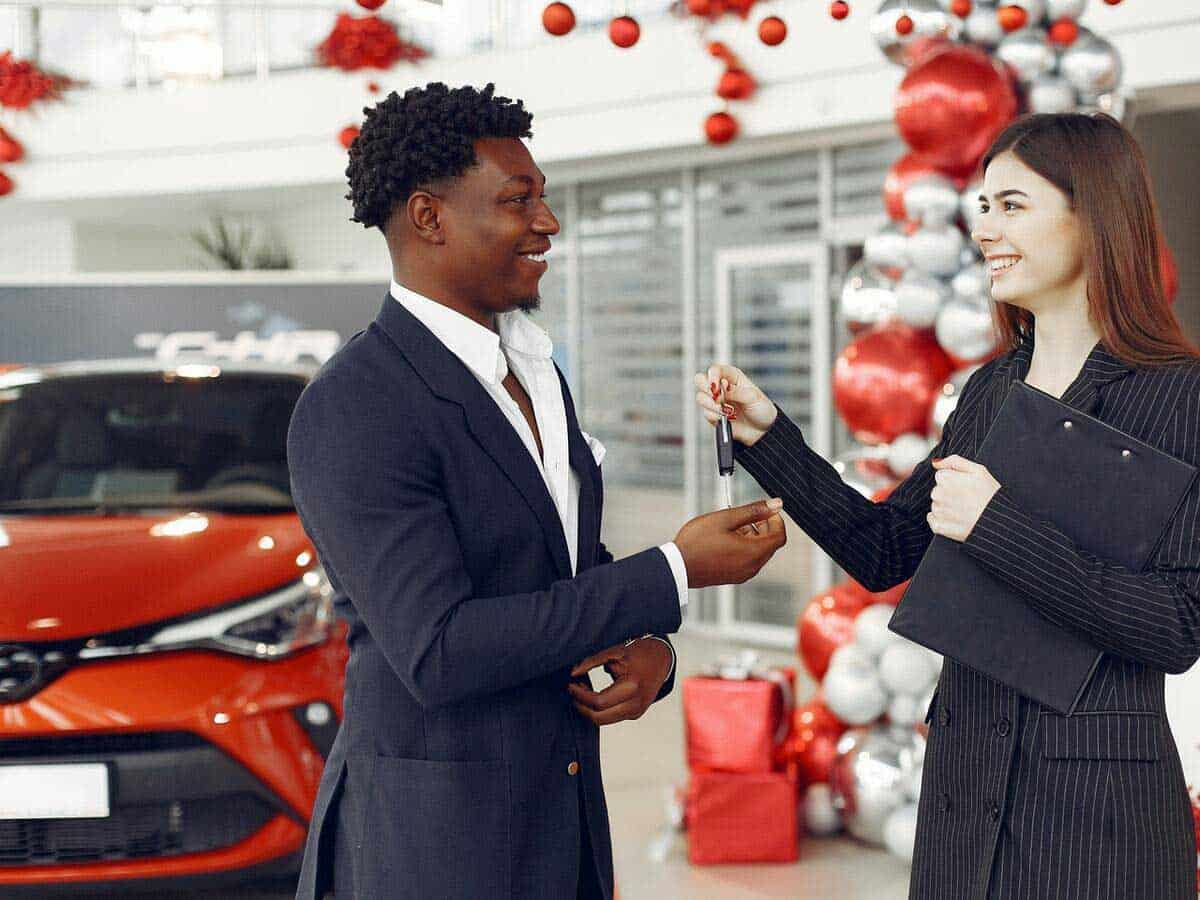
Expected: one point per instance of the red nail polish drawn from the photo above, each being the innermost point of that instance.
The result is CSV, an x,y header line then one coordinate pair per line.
x,y
728,410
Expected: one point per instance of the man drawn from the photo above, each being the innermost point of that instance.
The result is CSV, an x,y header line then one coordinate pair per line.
x,y
439,468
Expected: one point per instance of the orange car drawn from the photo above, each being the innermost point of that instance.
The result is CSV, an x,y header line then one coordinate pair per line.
x,y
171,662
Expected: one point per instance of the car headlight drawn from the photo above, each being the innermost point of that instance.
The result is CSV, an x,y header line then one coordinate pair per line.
x,y
297,616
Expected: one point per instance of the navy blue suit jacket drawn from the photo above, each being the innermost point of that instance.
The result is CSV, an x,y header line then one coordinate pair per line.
x,y
433,521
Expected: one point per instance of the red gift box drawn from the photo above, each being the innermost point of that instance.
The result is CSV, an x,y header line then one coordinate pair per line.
x,y
742,818
738,725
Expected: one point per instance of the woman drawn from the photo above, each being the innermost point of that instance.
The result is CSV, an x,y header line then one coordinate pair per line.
x,y
1018,801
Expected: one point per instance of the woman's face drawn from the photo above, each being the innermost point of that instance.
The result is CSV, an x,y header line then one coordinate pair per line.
x,y
1029,236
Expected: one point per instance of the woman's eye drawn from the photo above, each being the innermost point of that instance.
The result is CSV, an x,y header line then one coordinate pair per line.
x,y
1009,205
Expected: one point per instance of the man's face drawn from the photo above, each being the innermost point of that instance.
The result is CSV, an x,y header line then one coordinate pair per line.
x,y
498,227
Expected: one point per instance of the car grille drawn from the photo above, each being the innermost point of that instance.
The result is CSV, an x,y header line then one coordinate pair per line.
x,y
135,832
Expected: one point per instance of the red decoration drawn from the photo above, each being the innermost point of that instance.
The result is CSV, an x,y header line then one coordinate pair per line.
x,y
952,104
742,818
736,84
369,42
1113,2
826,624
721,51
733,725
886,381
624,31
891,596
1012,18
1064,32
720,128
700,7
904,171
11,150
22,83
373,87
347,135
6,184
839,9
814,718
815,756
370,4
558,19
961,8
904,25
772,31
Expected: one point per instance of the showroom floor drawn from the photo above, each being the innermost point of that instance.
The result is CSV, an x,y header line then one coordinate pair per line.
x,y
642,760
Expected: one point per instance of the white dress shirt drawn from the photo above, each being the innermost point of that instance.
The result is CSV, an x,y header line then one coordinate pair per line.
x,y
525,349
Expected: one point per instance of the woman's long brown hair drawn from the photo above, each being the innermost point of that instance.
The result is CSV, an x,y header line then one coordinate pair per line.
x,y
1100,168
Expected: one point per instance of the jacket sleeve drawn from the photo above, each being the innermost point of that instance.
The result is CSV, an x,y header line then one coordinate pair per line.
x,y
367,485
879,544
1152,617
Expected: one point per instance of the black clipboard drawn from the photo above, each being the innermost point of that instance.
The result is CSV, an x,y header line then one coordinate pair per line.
x,y
957,608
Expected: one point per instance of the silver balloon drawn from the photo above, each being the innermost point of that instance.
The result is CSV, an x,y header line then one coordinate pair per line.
x,y
1051,94
870,775
1065,9
946,401
919,298
970,256
935,249
1116,103
930,21
1092,65
900,832
964,328
1029,53
820,815
932,200
905,452
854,693
868,296
968,204
972,281
904,709
982,26
864,468
887,248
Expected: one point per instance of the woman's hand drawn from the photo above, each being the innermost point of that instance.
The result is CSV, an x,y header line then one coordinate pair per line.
x,y
750,412
962,490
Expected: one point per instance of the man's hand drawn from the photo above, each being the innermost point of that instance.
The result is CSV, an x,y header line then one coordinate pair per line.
x,y
718,548
638,673
962,491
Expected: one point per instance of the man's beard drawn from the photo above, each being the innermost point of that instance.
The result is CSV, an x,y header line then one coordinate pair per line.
x,y
530,304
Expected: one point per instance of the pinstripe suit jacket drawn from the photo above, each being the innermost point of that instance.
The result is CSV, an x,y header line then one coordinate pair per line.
x,y
1018,801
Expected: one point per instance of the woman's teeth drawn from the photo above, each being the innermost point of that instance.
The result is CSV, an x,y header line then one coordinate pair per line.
x,y
1003,264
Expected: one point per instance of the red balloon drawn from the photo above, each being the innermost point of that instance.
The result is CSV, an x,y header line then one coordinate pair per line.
x,y
700,7
720,128
772,31
904,171
347,135
952,104
558,19
6,184
886,381
370,4
736,84
961,8
891,596
11,150
624,31
815,758
1012,18
1168,270
814,718
839,9
904,25
826,624
1064,32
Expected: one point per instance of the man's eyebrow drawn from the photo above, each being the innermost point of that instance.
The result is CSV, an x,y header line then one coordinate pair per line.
x,y
1000,195
525,178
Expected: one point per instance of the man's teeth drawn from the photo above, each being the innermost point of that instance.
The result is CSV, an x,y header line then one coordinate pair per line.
x,y
536,257
1005,263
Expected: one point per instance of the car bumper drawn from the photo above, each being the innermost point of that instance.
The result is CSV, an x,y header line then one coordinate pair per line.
x,y
212,767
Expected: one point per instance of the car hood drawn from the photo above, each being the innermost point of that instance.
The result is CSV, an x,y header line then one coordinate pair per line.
x,y
65,577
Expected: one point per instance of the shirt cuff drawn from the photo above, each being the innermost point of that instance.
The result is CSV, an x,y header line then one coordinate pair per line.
x,y
678,569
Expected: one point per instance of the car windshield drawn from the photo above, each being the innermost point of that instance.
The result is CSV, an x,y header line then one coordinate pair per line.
x,y
146,441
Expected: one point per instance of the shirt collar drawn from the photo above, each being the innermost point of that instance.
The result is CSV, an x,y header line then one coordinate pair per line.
x,y
479,348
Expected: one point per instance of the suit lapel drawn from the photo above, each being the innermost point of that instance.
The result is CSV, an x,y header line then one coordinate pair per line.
x,y
1083,394
449,378
580,456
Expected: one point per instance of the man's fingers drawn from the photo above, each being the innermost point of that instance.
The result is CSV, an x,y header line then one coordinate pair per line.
x,y
596,660
758,511
618,692
630,709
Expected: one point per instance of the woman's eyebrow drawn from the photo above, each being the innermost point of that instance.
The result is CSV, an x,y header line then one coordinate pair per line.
x,y
1000,195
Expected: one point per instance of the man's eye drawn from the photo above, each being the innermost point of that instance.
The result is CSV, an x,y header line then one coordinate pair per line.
x,y
522,199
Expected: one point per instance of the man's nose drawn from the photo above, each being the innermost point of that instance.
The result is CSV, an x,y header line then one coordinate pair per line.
x,y
546,223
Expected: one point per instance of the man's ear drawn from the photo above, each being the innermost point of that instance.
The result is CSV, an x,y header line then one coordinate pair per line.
x,y
424,212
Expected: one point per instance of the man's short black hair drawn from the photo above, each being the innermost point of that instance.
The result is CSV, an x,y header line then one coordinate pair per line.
x,y
414,140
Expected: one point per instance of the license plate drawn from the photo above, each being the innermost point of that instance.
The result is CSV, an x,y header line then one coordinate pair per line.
x,y
78,791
